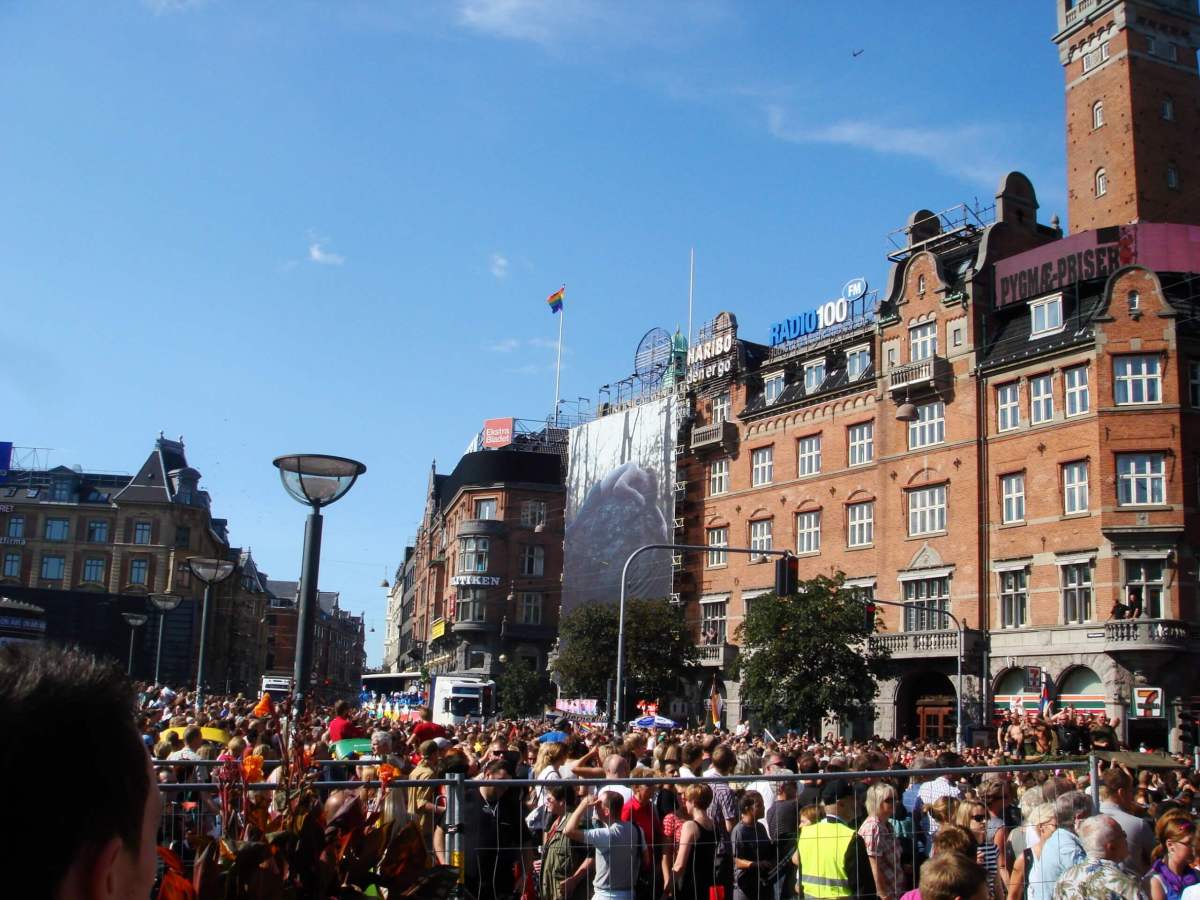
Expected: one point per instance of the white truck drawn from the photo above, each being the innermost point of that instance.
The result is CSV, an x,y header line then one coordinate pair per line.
x,y
278,686
462,699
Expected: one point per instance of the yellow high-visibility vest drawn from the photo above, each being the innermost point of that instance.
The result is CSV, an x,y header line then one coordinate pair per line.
x,y
822,850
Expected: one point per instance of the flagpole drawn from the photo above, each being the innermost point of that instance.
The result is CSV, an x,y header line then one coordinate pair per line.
x,y
691,286
562,312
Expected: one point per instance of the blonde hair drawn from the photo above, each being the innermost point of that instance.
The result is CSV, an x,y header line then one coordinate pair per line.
x,y
876,794
549,755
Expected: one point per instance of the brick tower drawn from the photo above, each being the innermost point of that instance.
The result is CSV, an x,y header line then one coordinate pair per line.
x,y
1133,110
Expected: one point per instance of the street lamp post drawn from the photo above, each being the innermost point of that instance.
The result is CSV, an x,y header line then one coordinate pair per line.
x,y
210,572
134,621
164,603
316,481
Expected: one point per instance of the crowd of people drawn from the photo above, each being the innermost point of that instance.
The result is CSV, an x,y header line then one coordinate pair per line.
x,y
562,811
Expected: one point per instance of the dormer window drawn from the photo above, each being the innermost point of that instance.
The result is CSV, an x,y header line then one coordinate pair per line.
x,y
921,284
60,490
814,376
773,387
1045,316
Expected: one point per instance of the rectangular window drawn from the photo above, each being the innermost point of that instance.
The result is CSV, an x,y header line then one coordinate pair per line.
x,y
922,342
1140,479
531,608
860,519
473,554
1014,598
1194,383
1137,380
1041,399
861,442
485,509
1045,316
183,536
16,526
57,529
1075,488
1076,380
53,568
1144,587
720,408
808,450
814,376
858,361
926,602
929,427
808,532
533,513
93,570
760,535
60,491
97,531
137,571
141,532
1008,406
762,466
533,561
927,510
773,387
1077,593
712,621
12,565
1012,492
470,605
718,539
718,477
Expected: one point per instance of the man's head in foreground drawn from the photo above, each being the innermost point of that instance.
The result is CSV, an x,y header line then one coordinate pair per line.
x,y
94,837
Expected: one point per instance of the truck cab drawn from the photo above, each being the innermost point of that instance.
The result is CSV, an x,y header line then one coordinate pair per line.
x,y
462,699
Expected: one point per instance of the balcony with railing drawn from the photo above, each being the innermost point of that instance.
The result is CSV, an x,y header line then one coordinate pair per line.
x,y
1148,634
942,642
721,435
917,374
716,656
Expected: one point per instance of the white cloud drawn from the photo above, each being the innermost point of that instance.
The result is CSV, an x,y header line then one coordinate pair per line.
x,y
967,151
159,7
506,345
499,266
318,254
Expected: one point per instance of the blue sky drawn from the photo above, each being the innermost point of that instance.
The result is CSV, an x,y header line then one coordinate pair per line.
x,y
331,226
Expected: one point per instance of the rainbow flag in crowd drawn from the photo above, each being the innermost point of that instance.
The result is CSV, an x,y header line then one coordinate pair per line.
x,y
556,300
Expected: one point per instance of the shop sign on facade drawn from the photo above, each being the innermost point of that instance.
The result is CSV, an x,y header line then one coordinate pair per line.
x,y
1148,703
475,581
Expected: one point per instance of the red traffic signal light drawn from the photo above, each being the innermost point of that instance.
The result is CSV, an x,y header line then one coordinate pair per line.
x,y
787,576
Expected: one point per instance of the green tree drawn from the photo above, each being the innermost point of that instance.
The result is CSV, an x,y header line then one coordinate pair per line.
x,y
807,656
659,650
521,691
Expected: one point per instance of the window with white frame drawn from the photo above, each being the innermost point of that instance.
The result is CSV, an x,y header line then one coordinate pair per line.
x,y
1045,315
533,561
718,477
56,529
533,513
473,554
927,510
1140,479
1144,583
1076,381
1008,406
1041,399
93,569
16,526
1076,592
1014,598
929,427
97,531
808,532
61,490
1098,114
926,603
718,540
814,376
860,524
1093,58
485,509
762,466
1012,497
720,408
760,535
1193,369
1101,182
773,387
858,360
1075,487
138,569
808,455
12,565
860,439
142,532
531,608
712,621
922,341
53,568
471,605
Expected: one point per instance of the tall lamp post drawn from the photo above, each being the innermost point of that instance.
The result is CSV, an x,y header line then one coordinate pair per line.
x,y
134,621
316,481
209,571
164,603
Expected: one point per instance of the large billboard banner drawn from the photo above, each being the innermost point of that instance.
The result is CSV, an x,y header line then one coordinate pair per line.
x,y
620,496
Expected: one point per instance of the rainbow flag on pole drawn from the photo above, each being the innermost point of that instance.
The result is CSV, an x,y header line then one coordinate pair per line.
x,y
556,300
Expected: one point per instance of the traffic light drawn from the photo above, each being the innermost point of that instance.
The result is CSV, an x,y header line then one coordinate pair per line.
x,y
787,576
870,610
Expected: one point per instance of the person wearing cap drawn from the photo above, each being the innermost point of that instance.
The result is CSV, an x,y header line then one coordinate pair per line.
x,y
831,857
422,802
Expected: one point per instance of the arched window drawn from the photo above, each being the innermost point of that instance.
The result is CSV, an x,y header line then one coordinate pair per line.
x,y
1101,182
1172,176
1097,113
1168,109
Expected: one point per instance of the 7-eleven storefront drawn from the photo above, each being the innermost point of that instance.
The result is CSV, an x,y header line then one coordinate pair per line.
x,y
1079,688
